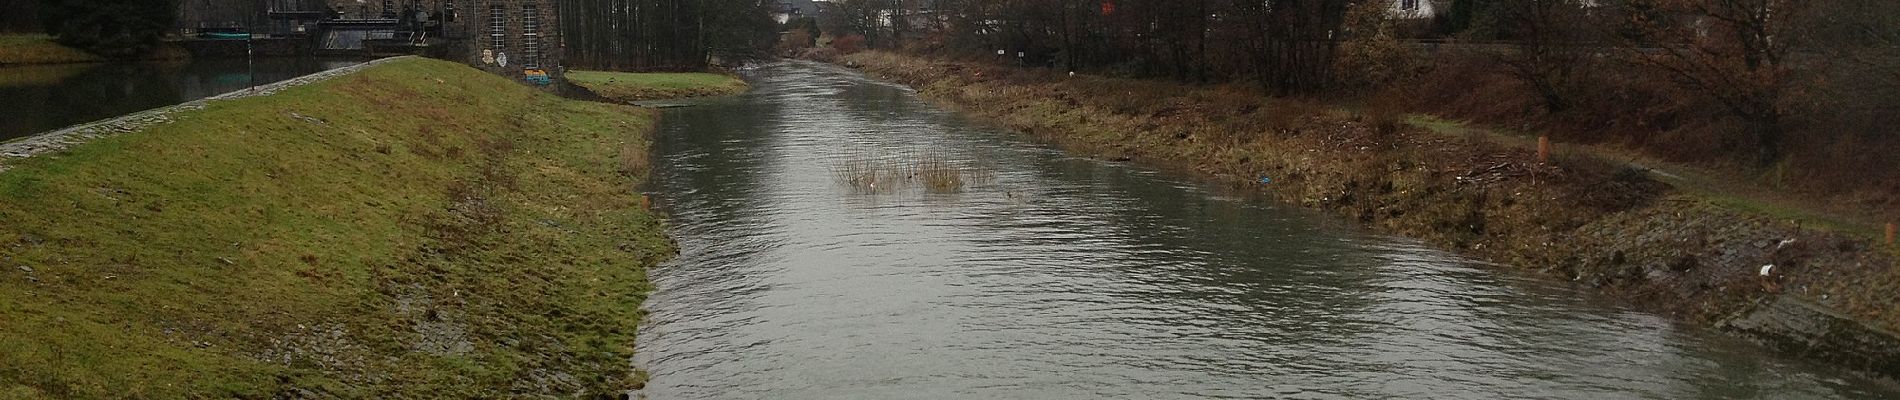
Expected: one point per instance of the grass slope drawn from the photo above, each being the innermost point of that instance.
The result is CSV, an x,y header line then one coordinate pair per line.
x,y
419,229
39,49
630,86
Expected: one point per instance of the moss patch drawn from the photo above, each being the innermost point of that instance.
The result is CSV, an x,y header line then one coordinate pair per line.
x,y
39,49
418,229
630,86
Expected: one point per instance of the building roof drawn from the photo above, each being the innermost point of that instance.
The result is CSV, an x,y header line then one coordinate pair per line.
x,y
295,6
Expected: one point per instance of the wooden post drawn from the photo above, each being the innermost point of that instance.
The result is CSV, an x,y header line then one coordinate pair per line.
x,y
1543,149
645,204
1890,233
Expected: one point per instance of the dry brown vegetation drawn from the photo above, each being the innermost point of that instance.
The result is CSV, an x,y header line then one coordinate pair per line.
x,y
874,173
1837,162
1788,98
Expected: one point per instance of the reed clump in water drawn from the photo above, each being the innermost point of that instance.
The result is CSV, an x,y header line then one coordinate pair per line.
x,y
938,175
934,172
869,174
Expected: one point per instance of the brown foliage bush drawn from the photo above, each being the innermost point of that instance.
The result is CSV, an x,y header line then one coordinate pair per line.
x,y
794,42
848,44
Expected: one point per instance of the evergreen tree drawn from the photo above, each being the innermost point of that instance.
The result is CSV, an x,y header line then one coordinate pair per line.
x,y
112,28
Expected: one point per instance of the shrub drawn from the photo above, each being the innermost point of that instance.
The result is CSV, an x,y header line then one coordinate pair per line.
x,y
794,42
1372,55
848,44
115,28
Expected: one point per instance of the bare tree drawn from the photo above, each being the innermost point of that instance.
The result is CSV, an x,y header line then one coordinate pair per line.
x,y
1736,52
1556,42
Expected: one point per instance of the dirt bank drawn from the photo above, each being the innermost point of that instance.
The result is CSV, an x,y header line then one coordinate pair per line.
x,y
1579,217
417,229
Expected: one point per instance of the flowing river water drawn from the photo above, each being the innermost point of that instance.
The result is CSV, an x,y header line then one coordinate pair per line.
x,y
1069,278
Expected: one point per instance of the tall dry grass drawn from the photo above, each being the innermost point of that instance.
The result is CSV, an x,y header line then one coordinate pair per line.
x,y
872,173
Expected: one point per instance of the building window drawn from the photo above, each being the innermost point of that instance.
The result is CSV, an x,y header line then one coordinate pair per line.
x,y
1408,5
497,28
530,36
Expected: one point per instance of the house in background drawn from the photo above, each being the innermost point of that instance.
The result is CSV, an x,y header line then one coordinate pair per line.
x,y
295,18
220,15
1413,9
786,10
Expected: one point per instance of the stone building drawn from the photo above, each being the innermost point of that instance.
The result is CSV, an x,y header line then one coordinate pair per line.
x,y
507,37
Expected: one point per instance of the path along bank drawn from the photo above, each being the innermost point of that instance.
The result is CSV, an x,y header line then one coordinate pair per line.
x,y
1799,289
414,229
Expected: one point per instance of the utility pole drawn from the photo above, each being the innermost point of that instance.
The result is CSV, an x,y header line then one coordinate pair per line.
x,y
250,69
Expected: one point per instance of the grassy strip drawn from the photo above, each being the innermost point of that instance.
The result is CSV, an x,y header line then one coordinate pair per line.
x,y
630,86
1580,217
419,229
39,49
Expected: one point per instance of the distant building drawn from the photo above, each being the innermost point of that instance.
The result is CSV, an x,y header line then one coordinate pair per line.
x,y
509,37
197,15
1424,9
1413,9
295,17
786,10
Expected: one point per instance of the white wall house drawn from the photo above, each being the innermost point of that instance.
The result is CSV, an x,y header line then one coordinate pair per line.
x,y
1413,8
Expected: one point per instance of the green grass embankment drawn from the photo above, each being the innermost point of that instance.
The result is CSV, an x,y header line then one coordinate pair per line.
x,y
39,49
416,230
1581,217
631,86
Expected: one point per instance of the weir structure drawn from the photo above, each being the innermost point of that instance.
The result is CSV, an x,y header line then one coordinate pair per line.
x,y
514,38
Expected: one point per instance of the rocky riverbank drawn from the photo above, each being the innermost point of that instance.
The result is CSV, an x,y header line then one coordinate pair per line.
x,y
1797,287
410,229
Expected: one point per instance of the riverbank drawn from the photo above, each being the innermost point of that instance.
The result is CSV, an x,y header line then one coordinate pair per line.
x,y
23,49
1608,225
13,149
354,237
37,49
630,87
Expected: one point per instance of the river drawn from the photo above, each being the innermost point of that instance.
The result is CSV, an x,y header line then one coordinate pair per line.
x,y
1071,278
43,98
